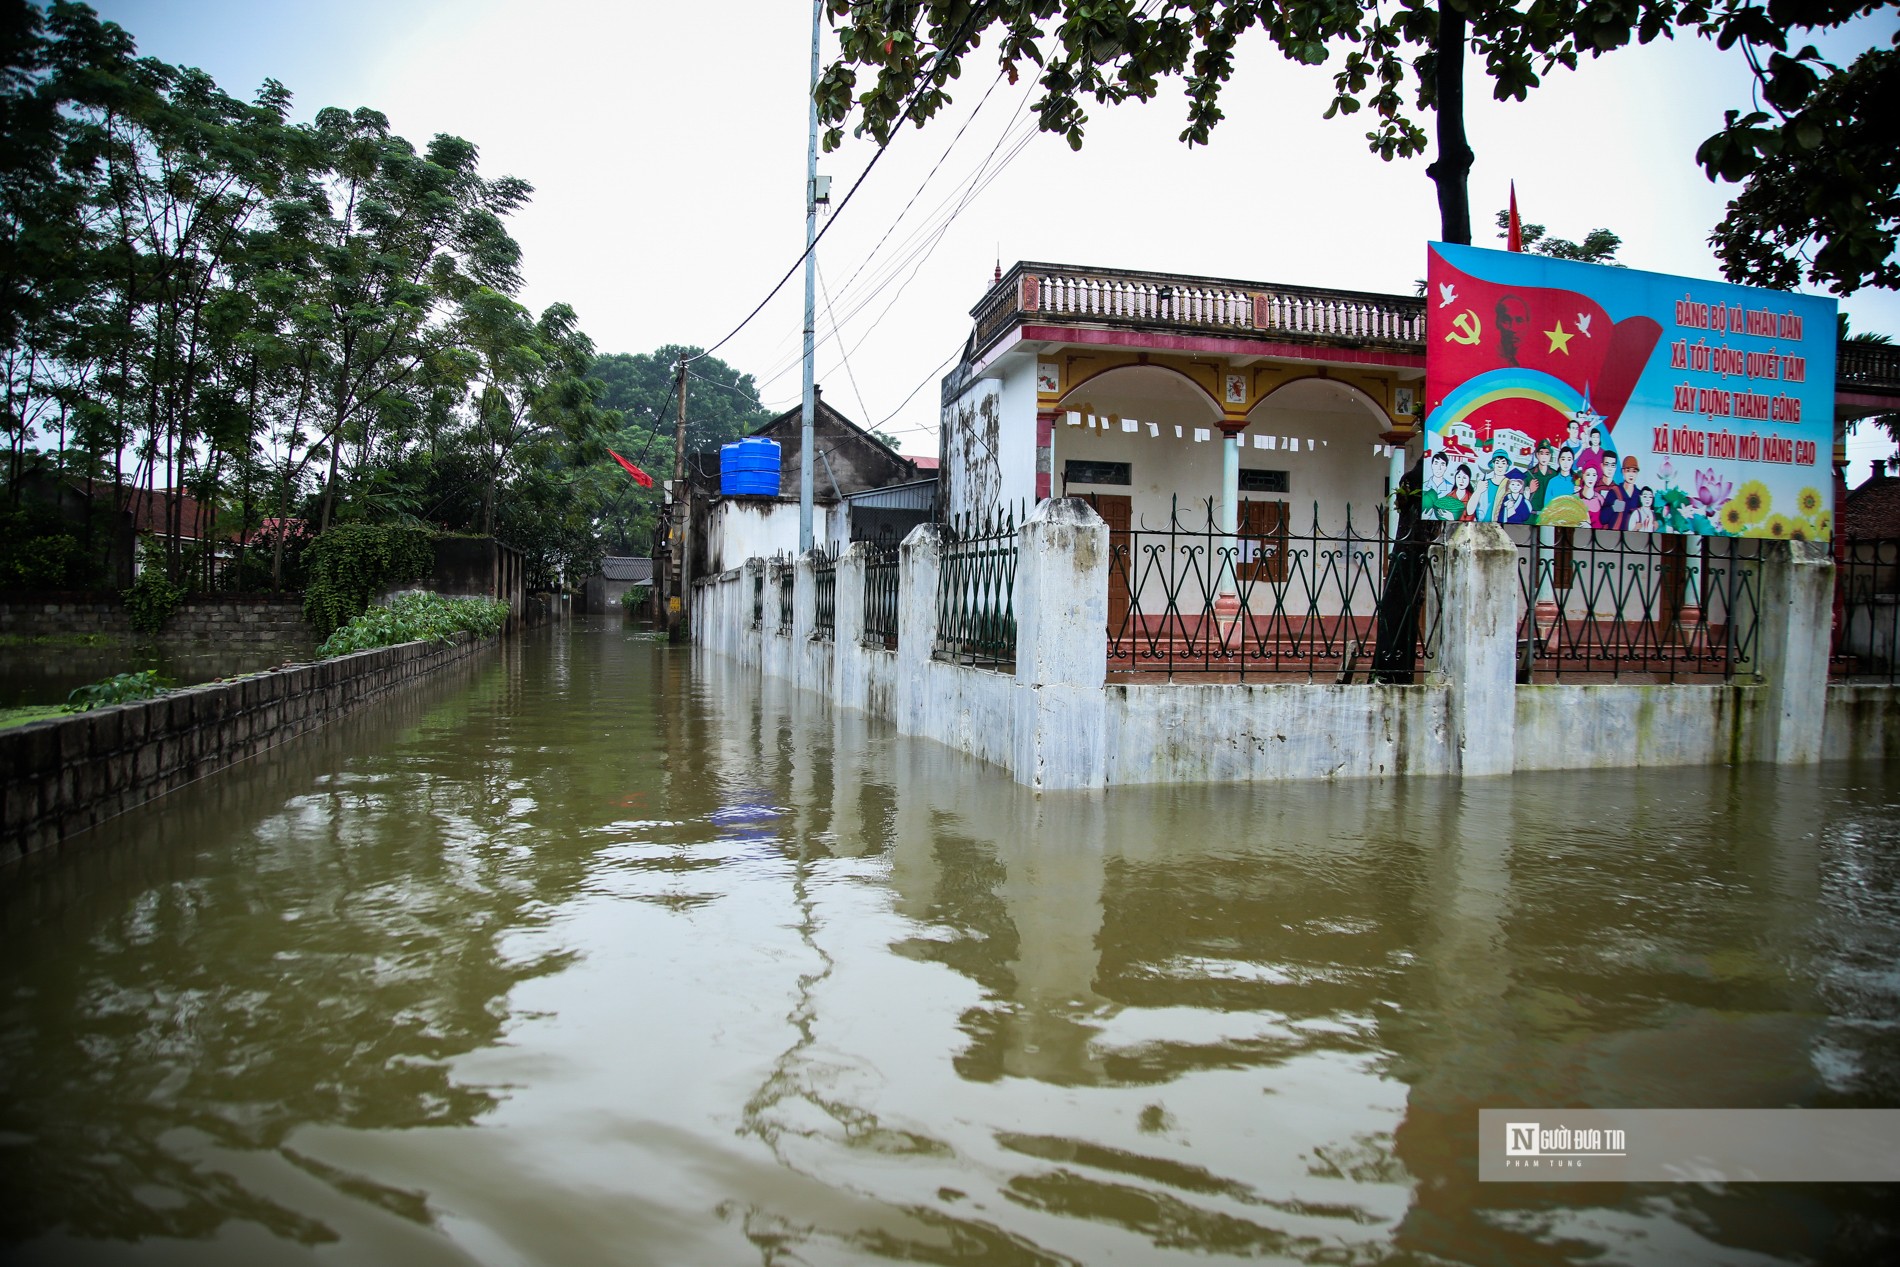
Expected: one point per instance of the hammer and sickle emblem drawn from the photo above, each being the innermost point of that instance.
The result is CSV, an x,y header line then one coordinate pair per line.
x,y
1468,328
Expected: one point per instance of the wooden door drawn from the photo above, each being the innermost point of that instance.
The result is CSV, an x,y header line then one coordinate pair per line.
x,y
1117,511
1263,542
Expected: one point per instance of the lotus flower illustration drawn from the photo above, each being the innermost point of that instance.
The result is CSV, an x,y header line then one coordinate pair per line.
x,y
1711,491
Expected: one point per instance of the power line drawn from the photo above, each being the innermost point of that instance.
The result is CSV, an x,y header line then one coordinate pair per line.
x,y
925,235
926,239
923,82
858,391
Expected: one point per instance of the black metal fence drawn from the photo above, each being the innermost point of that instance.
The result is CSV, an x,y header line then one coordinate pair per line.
x,y
1598,603
1866,610
1333,601
786,577
758,599
976,609
880,596
824,583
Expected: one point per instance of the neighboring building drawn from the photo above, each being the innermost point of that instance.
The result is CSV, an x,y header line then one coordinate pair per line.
x,y
601,592
847,462
1872,510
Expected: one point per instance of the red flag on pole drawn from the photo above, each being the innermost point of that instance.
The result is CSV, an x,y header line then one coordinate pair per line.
x,y
1514,239
640,477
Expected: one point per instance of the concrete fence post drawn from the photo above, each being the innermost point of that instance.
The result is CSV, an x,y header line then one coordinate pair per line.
x,y
850,678
1478,646
1061,601
919,562
804,620
1796,618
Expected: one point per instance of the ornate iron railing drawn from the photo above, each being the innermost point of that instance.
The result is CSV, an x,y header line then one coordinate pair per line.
x,y
1125,297
787,578
880,596
1337,603
1866,609
1596,604
976,605
824,591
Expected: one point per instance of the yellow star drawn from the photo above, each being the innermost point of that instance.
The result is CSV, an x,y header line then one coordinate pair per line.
x,y
1560,338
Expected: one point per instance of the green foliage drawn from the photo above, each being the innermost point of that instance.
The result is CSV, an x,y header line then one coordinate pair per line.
x,y
722,404
1599,246
1814,149
29,713
351,564
1819,170
37,562
152,600
121,688
42,550
416,618
635,598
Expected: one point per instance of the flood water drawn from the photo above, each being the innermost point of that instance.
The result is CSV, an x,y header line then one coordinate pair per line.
x,y
46,673
593,953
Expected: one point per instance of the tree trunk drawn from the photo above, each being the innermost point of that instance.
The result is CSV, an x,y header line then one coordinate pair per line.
x,y
1451,171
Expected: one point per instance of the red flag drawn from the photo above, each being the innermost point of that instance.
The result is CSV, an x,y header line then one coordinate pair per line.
x,y
1476,327
1514,239
640,477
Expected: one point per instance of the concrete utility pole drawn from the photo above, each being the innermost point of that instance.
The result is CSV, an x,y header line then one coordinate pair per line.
x,y
809,408
682,505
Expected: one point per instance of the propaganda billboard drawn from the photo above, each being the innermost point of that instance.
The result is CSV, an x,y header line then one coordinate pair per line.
x,y
1584,395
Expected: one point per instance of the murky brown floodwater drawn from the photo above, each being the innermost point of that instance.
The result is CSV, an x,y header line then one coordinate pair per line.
x,y
590,956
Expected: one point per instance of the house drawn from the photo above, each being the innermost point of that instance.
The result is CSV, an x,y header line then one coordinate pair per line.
x,y
602,591
848,462
1143,391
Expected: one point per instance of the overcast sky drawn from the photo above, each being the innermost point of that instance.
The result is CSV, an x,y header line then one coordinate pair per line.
x,y
666,144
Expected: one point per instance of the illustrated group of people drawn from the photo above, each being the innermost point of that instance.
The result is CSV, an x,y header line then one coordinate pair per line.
x,y
1604,490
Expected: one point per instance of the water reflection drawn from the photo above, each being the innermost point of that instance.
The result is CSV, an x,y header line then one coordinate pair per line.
x,y
675,967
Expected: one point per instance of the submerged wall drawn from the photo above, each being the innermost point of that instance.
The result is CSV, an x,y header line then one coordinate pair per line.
x,y
63,775
256,619
1054,721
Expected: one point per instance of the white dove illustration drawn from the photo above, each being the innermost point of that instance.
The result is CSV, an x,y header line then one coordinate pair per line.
x,y
1447,291
1583,325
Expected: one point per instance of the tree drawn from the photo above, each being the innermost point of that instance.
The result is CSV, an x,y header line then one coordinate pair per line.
x,y
533,398
282,319
1599,246
1819,170
722,404
1111,51
1397,59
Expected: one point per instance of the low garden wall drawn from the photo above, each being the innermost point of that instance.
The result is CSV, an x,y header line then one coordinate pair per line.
x,y
258,619
1046,711
64,775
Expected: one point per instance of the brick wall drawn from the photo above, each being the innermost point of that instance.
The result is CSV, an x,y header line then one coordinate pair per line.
x,y
256,619
61,776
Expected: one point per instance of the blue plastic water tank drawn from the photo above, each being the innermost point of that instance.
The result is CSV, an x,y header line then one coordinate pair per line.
x,y
749,467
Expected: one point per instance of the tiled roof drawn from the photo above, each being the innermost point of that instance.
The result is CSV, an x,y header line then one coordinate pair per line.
x,y
621,568
1873,509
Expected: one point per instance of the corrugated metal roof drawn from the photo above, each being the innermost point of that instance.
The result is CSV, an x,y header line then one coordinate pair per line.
x,y
621,568
917,495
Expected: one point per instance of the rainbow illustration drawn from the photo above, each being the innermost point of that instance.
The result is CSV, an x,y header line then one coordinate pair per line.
x,y
1513,387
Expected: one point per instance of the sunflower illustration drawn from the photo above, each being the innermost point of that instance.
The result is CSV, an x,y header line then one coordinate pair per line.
x,y
1809,501
1823,525
1777,527
1732,518
1799,530
1755,500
